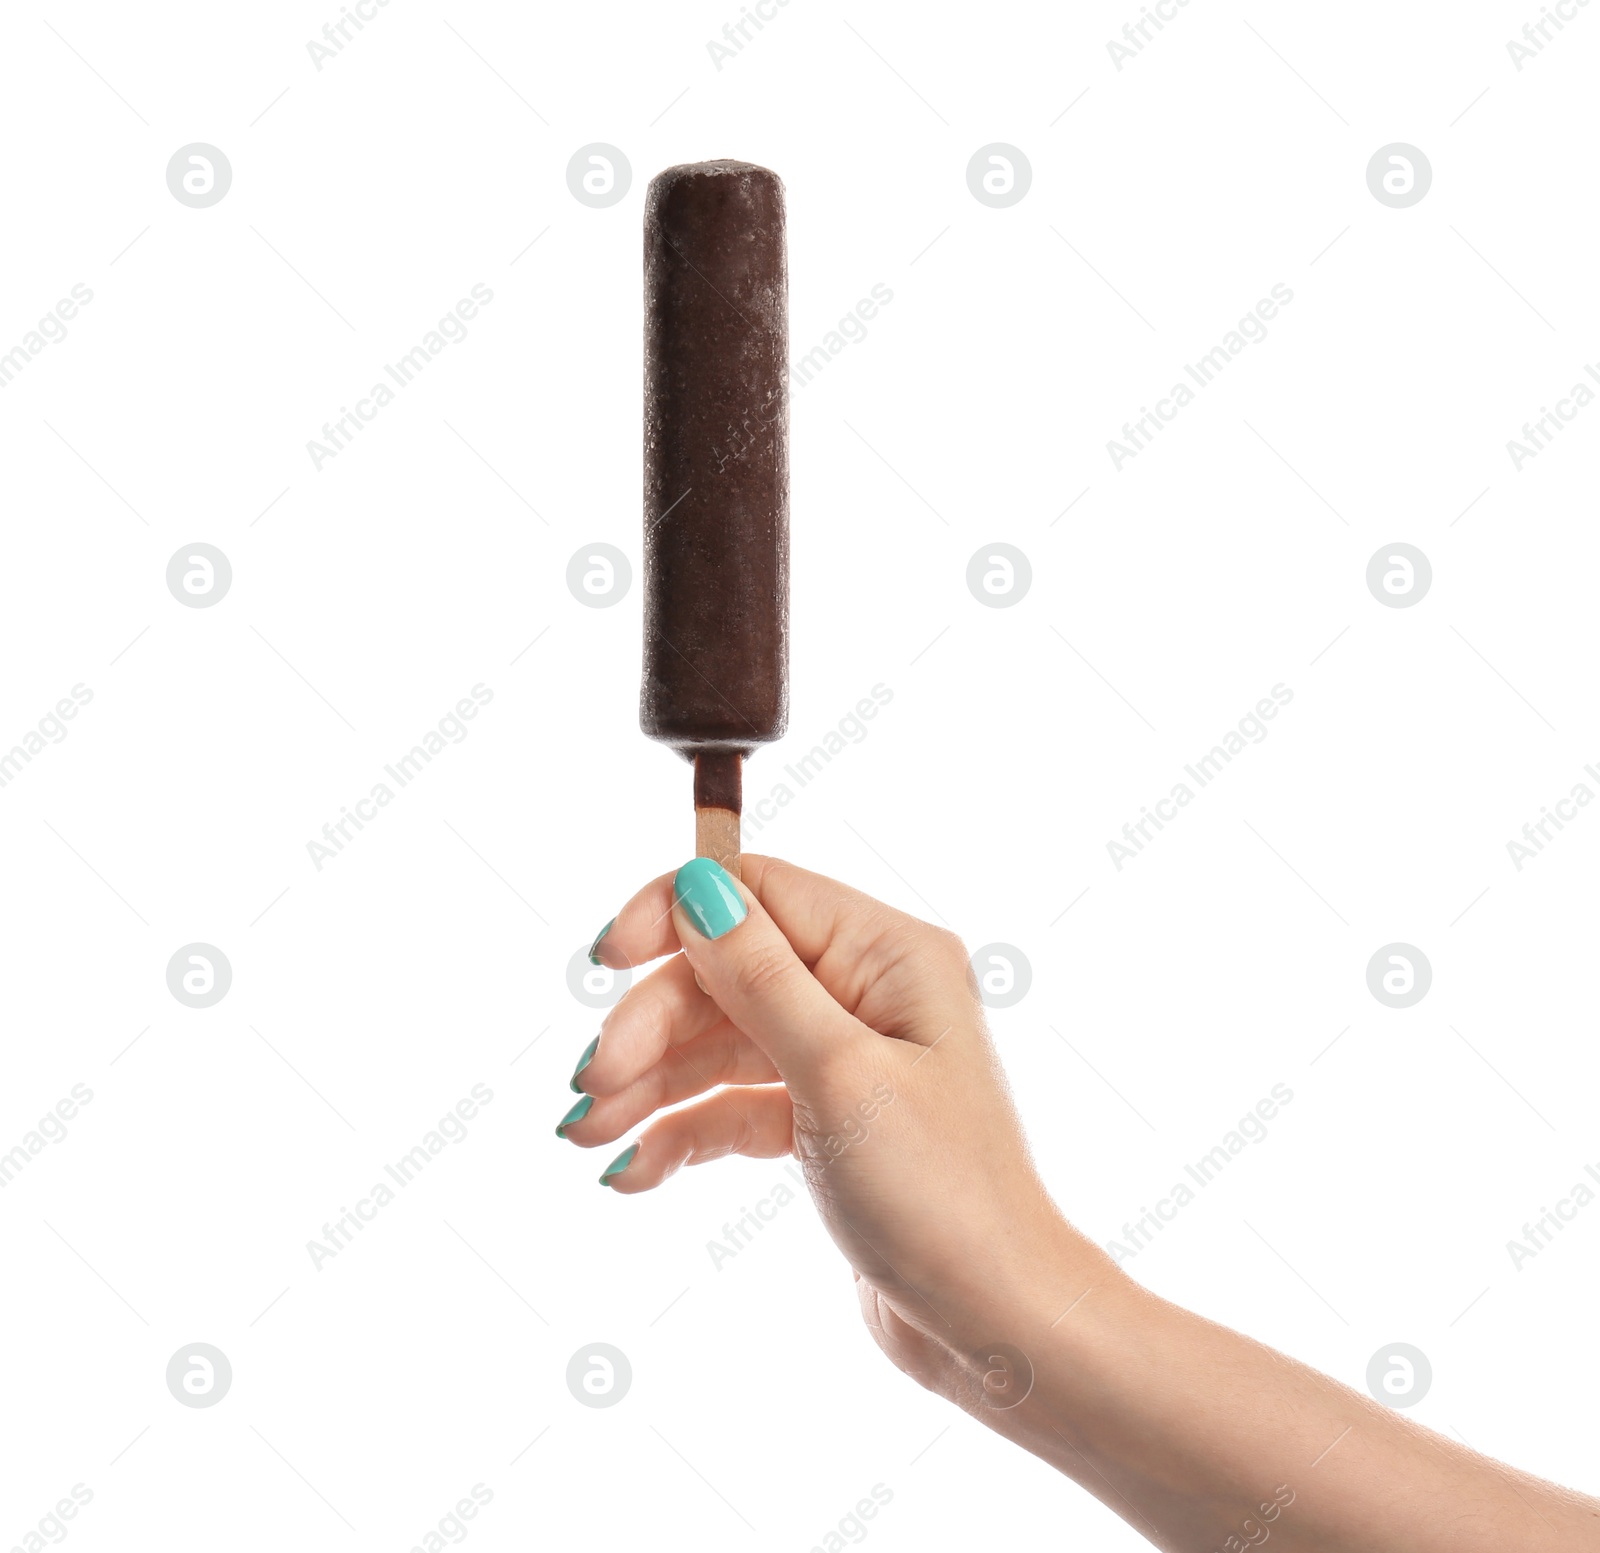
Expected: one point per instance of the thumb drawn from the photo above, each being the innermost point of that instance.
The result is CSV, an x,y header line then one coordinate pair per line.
x,y
751,972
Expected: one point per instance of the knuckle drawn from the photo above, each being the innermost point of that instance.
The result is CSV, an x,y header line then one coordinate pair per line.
x,y
745,1135
941,949
764,972
910,936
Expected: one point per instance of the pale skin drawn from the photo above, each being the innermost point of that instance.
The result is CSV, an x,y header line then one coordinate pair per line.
x,y
833,1027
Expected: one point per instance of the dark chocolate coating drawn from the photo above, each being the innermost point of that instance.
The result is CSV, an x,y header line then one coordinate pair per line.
x,y
716,459
718,781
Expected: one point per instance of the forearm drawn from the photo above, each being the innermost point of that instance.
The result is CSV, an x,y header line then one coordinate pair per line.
x,y
1205,1440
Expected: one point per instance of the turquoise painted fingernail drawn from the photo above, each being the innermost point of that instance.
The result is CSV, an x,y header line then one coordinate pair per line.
x,y
709,896
619,1164
583,1062
594,957
576,1114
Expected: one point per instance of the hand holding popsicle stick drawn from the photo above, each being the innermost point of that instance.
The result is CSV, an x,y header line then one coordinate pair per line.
x,y
804,1017
716,479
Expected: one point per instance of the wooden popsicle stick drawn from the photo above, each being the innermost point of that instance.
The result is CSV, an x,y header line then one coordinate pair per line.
x,y
718,799
716,835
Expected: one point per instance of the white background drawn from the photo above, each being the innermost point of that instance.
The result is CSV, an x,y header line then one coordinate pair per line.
x,y
368,597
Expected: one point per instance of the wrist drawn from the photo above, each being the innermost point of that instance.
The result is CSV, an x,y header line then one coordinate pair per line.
x,y
1042,1289
1062,1347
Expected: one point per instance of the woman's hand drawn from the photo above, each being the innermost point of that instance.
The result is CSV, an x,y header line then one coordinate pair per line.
x,y
851,1035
